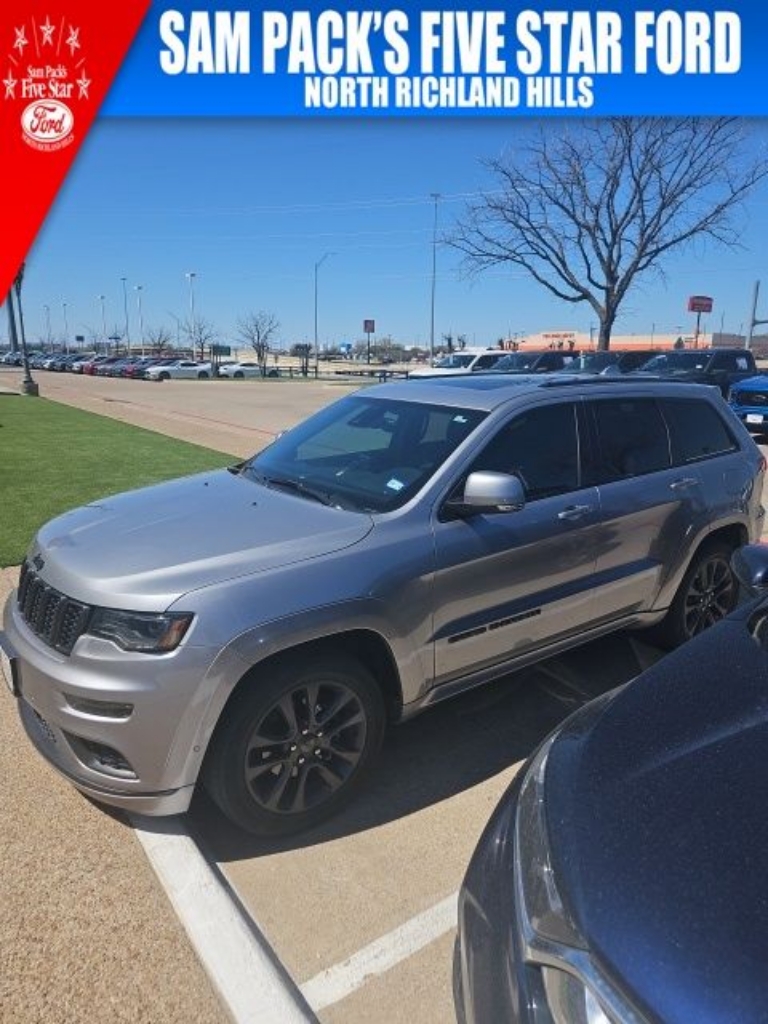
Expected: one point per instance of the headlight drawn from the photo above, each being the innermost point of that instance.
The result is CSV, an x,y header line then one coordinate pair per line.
x,y
140,631
576,990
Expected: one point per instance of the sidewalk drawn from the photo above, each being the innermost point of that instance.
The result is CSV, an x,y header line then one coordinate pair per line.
x,y
86,930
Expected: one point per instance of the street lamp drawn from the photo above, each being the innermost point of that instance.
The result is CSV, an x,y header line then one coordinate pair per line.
x,y
66,327
435,197
28,385
190,276
127,325
138,288
319,263
103,321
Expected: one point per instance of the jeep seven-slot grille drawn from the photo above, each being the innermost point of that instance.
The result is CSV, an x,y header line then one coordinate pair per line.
x,y
55,618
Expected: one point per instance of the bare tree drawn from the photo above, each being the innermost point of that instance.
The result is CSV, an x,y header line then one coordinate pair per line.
x,y
587,210
158,339
257,330
200,334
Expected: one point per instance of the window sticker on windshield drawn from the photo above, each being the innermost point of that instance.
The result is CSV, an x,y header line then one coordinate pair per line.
x,y
459,419
395,485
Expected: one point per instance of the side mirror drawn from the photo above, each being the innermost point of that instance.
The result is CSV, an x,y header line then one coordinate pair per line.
x,y
487,493
750,564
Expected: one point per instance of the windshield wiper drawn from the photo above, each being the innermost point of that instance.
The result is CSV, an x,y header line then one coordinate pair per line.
x,y
295,487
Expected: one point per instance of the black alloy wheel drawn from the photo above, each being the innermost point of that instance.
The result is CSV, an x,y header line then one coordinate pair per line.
x,y
295,743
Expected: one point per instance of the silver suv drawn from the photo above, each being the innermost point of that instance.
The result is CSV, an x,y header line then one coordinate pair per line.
x,y
256,628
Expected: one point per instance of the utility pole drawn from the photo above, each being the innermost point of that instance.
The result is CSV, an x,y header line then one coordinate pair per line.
x,y
435,197
753,322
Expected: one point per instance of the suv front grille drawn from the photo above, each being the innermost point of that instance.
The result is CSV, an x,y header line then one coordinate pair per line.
x,y
751,397
57,619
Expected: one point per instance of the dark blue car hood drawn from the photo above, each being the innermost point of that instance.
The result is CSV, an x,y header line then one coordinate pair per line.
x,y
658,817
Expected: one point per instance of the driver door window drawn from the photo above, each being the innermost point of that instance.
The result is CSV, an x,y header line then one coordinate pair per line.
x,y
540,446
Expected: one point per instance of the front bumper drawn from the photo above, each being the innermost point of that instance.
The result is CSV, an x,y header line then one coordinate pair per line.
x,y
130,730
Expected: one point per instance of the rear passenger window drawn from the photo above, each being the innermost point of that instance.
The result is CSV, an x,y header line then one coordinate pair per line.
x,y
632,438
696,429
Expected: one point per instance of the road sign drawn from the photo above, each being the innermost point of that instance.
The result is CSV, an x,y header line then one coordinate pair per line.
x,y
700,304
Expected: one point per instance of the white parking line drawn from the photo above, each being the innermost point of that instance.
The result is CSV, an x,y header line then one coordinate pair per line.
x,y
339,981
247,975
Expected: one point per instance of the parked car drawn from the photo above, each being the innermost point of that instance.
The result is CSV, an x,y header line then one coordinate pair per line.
x,y
90,365
238,371
465,361
547,360
180,369
620,878
407,542
77,365
720,367
749,400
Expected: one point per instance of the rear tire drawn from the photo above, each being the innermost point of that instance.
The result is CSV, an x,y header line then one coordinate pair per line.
x,y
709,591
202,375
238,375
295,743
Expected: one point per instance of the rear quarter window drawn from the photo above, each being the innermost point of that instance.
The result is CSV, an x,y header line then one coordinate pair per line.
x,y
697,430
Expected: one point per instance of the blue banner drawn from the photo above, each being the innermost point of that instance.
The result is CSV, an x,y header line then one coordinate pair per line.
x,y
423,59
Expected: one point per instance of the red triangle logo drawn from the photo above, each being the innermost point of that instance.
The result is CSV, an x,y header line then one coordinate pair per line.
x,y
57,62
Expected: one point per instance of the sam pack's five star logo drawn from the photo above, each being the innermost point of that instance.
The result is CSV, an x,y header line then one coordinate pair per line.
x,y
46,72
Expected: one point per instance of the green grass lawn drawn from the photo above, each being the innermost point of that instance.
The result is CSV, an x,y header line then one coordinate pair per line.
x,y
53,458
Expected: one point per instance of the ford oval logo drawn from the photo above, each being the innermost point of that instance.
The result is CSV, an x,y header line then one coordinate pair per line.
x,y
47,121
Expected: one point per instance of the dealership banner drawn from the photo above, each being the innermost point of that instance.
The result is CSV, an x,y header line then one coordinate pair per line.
x,y
65,61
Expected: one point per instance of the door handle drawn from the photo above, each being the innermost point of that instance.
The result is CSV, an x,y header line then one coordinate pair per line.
x,y
574,512
683,482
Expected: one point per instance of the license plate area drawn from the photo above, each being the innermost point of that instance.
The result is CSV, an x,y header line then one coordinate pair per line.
x,y
753,417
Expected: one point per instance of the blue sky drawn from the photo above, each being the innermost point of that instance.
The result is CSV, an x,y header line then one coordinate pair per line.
x,y
251,206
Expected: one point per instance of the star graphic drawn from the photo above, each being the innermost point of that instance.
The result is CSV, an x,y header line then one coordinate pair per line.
x,y
10,84
21,39
83,84
47,29
73,41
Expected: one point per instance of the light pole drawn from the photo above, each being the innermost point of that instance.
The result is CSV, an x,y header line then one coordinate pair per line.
x,y
319,263
28,385
103,322
190,276
66,327
753,321
435,196
127,325
138,289
47,325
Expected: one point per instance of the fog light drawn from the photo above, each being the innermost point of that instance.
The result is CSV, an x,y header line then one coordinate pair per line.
x,y
101,758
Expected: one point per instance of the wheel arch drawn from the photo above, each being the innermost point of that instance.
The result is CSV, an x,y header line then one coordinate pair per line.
x,y
367,646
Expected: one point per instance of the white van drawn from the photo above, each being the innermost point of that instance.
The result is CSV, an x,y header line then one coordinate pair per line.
x,y
467,360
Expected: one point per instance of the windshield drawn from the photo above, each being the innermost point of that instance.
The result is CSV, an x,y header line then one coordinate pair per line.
x,y
666,361
363,453
517,361
455,361
591,362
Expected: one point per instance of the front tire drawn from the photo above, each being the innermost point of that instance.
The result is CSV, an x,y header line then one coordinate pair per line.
x,y
295,743
709,591
202,375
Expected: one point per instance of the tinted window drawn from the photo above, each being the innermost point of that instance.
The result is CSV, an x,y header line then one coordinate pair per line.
x,y
632,437
365,453
541,447
696,430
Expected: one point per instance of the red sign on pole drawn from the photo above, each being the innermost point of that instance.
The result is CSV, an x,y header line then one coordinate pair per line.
x,y
369,326
700,304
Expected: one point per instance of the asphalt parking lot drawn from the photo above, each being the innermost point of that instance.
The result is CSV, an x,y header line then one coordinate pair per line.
x,y
361,912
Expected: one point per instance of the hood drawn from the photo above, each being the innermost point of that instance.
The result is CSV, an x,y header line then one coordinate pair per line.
x,y
659,831
145,548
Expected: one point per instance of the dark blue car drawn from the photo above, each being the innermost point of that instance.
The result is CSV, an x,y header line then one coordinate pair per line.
x,y
624,876
749,400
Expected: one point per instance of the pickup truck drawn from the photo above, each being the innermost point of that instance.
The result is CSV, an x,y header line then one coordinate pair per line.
x,y
720,367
